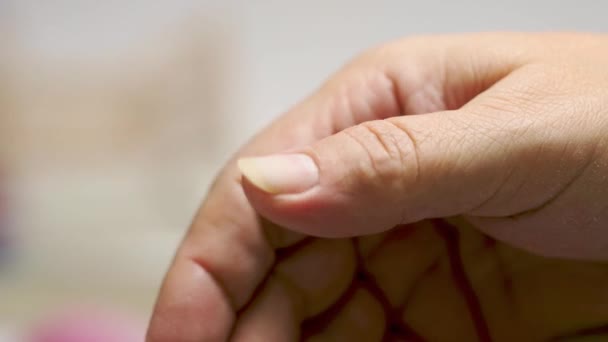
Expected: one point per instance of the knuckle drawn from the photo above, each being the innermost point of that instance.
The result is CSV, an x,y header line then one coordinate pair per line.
x,y
391,150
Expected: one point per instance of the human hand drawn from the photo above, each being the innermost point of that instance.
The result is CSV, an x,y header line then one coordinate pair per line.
x,y
506,132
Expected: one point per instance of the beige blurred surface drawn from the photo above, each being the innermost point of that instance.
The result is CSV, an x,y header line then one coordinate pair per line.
x,y
107,154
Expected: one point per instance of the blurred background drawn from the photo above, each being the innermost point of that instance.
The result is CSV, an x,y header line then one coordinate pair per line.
x,y
115,116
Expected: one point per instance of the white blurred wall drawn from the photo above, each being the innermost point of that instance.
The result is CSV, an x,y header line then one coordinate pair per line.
x,y
125,109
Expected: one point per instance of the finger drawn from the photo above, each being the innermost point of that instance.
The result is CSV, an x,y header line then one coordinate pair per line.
x,y
274,315
373,176
361,319
320,272
307,191
227,252
492,158
437,300
424,286
298,289
414,250
511,286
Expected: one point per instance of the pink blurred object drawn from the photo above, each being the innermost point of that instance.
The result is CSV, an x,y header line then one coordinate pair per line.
x,y
89,326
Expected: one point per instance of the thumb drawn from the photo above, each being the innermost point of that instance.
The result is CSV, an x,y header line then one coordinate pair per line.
x,y
375,175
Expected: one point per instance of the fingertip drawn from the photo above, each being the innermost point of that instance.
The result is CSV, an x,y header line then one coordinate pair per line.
x,y
281,173
322,212
250,171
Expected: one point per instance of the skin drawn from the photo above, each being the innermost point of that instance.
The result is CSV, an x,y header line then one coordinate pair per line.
x,y
488,152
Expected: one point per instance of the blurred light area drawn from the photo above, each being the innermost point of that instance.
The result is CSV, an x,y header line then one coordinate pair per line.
x,y
115,115
68,29
82,324
112,121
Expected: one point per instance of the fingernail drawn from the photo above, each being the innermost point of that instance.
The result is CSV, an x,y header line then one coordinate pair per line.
x,y
281,173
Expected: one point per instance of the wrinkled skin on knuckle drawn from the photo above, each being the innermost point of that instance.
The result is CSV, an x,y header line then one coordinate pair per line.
x,y
392,154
